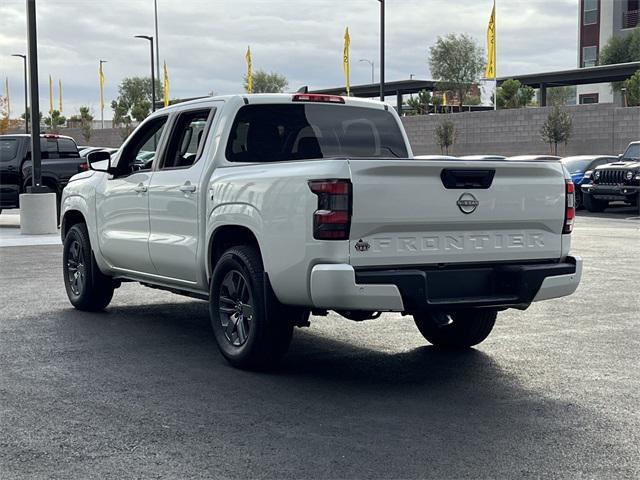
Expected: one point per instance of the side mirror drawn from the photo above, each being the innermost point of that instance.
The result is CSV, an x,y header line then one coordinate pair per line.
x,y
620,156
96,161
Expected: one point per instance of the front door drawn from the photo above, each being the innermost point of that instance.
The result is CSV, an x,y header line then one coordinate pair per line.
x,y
174,197
123,207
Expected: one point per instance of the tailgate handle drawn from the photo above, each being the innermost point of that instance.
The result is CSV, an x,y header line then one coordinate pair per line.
x,y
467,178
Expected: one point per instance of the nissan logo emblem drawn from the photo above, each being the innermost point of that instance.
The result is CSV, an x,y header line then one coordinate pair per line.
x,y
467,203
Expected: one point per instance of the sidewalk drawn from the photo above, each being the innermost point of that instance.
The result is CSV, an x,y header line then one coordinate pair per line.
x,y
10,232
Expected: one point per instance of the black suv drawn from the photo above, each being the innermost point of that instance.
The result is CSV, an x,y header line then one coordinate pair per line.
x,y
60,161
617,181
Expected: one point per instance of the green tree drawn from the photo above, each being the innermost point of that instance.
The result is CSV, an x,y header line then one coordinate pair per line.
x,y
264,82
557,129
632,86
512,94
456,62
85,121
134,100
445,135
54,121
559,96
420,103
621,49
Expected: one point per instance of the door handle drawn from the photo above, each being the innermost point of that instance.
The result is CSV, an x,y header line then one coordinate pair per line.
x,y
188,188
140,188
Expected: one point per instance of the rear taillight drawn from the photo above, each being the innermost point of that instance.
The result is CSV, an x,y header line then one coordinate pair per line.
x,y
332,219
83,167
570,207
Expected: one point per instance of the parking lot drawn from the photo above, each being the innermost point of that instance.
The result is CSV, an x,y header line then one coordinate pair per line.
x,y
141,392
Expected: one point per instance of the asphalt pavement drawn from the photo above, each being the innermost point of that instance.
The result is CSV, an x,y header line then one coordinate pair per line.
x,y
140,391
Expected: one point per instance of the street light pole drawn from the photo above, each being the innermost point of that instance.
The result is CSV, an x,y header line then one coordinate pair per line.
x,y
32,40
153,77
155,16
382,50
372,67
26,95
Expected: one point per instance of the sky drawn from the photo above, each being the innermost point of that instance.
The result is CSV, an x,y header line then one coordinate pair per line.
x,y
204,41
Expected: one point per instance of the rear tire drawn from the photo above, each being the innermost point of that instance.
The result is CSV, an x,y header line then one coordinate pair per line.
x,y
87,287
593,204
465,329
252,332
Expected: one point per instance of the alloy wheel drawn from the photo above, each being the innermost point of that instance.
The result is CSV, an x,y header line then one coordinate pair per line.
x,y
235,304
76,270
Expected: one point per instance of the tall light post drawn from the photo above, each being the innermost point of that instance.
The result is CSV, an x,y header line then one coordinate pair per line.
x,y
26,96
381,50
102,94
153,77
155,17
372,67
32,52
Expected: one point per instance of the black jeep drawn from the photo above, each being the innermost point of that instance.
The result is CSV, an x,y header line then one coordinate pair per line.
x,y
617,181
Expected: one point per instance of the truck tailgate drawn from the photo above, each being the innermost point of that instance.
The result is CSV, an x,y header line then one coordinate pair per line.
x,y
403,214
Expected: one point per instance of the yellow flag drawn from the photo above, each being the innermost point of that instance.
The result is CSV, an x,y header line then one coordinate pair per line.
x,y
166,85
101,78
6,92
444,99
490,71
50,95
345,60
249,71
60,88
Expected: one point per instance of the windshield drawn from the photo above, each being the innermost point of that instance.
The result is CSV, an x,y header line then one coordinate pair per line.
x,y
632,153
270,133
577,164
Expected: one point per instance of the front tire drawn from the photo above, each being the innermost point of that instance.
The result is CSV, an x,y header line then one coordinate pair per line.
x,y
252,332
87,287
593,204
461,329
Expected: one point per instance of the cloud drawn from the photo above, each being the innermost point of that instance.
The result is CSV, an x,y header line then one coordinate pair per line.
x,y
203,41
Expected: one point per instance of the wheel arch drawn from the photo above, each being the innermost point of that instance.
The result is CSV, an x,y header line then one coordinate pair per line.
x,y
225,237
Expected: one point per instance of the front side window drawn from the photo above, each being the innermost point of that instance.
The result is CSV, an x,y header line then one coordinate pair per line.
x,y
186,140
589,56
283,132
590,12
140,151
632,153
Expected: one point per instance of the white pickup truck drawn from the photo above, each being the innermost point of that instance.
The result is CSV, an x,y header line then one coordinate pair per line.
x,y
272,207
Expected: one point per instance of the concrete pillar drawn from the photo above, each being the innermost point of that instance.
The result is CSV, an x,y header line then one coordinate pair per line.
x,y
543,95
38,214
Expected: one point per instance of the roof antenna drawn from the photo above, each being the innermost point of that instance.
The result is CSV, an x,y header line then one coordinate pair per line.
x,y
304,89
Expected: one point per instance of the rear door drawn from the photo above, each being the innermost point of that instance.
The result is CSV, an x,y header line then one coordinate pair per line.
x,y
175,199
408,212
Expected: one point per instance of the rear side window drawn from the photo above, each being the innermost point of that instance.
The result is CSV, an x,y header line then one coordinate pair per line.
x,y
67,148
271,133
8,149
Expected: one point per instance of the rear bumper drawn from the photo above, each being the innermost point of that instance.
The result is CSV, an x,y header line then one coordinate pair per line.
x,y
414,289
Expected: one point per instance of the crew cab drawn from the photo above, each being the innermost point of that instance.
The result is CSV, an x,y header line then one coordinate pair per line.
x,y
616,181
60,161
271,207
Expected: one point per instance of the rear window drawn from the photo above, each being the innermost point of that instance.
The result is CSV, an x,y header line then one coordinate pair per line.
x,y
8,149
270,133
52,148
